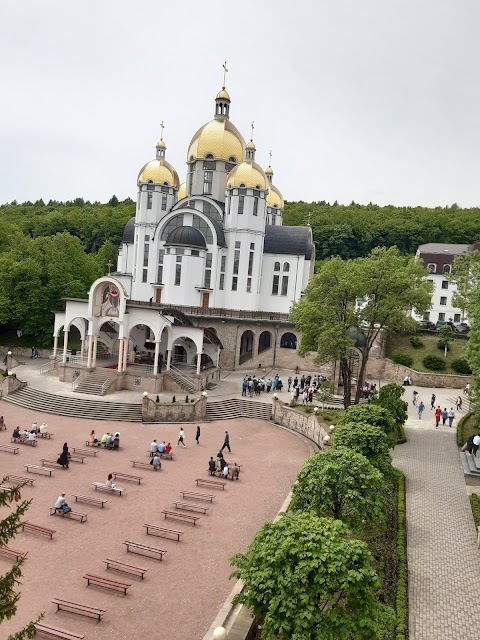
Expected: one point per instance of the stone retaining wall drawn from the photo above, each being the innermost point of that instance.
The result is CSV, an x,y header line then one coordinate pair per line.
x,y
173,411
303,423
385,369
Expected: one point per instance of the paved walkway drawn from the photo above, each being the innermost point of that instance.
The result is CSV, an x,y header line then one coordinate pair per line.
x,y
444,561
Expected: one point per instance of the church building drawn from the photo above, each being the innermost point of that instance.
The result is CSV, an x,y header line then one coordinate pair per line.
x,y
206,272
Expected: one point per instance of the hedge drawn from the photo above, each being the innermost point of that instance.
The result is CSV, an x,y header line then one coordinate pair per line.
x,y
460,365
403,359
461,422
434,363
401,435
475,504
401,600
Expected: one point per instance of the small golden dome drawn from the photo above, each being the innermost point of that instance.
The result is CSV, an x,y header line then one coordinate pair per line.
x,y
223,95
269,170
274,197
220,138
158,171
182,192
161,144
251,145
249,174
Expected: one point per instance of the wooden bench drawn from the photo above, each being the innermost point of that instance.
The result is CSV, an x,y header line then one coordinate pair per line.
x,y
9,449
164,456
20,480
107,583
189,506
126,568
85,452
181,516
36,469
69,514
35,528
76,457
138,547
11,553
104,487
44,462
163,532
216,484
32,443
126,476
92,444
81,609
45,434
194,494
47,631
144,465
99,502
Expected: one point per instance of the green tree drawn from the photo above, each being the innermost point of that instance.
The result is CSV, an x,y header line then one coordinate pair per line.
x,y
368,440
324,393
9,527
372,414
466,276
341,484
305,579
390,398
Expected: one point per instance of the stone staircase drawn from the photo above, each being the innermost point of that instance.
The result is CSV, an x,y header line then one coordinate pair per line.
x,y
96,382
470,464
75,407
466,404
238,408
181,378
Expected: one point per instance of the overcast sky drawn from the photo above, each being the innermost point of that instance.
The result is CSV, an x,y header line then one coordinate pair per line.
x,y
365,100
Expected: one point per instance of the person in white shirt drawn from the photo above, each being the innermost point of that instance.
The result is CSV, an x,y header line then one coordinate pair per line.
x,y
476,444
32,436
451,416
110,482
61,504
35,427
153,448
181,437
225,471
43,427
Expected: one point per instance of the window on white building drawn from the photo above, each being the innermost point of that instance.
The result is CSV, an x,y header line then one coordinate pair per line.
x,y
276,266
234,283
207,182
249,285
255,206
146,247
457,317
447,268
149,200
241,204
161,254
164,203
444,284
236,258
432,267
441,317
208,271
275,285
443,300
223,261
286,266
284,285
178,271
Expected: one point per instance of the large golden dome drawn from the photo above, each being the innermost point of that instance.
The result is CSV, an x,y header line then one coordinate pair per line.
x,y
220,138
248,174
159,171
274,198
182,192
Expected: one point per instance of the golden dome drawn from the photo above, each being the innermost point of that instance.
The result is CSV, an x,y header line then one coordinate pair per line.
x,y
220,138
251,145
223,95
161,144
274,197
269,170
249,174
182,192
158,171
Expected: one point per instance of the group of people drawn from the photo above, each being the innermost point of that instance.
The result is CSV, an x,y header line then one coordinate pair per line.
x,y
220,466
444,415
156,451
109,440
254,386
29,435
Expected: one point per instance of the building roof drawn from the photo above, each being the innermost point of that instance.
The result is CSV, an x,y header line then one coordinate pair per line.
x,y
294,241
445,248
129,232
186,237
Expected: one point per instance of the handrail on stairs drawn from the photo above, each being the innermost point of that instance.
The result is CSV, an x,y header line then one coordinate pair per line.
x,y
182,378
77,380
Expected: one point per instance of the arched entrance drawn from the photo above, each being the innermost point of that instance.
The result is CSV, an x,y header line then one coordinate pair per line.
x,y
246,346
288,341
264,341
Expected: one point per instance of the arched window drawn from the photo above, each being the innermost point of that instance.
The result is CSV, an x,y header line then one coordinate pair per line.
x,y
232,159
209,156
264,341
276,266
432,267
203,226
447,268
286,266
246,346
288,341
172,224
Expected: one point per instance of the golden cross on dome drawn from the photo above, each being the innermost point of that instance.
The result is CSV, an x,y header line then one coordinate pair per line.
x,y
109,265
253,127
162,127
270,154
225,71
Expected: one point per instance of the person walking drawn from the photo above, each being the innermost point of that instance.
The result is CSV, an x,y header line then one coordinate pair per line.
x,y
64,456
459,403
197,435
211,466
451,416
432,401
438,415
421,407
415,397
226,442
181,437
444,415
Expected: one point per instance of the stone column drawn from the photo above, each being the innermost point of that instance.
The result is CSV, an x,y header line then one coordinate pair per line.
x,y
125,354
94,358
120,353
199,362
82,348
155,361
65,346
55,346
89,352
169,358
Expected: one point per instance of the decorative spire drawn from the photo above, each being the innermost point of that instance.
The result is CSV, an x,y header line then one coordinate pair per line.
x,y
222,100
161,146
225,71
269,170
250,148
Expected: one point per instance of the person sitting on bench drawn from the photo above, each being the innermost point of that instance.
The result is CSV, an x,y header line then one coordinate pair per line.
x,y
16,433
161,447
156,462
92,438
168,449
32,436
110,482
109,440
24,435
61,504
35,427
115,442
211,466
104,438
43,427
153,447
225,470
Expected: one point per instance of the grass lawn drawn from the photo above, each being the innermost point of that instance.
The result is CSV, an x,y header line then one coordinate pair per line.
x,y
328,416
470,428
400,343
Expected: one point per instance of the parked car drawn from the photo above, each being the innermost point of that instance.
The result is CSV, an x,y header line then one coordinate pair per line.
x,y
426,324
444,323
462,327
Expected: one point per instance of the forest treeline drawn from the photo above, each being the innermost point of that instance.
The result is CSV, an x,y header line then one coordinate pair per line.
x,y
57,249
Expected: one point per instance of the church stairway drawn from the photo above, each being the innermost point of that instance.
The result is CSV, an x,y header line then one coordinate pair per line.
x,y
238,408
96,382
75,407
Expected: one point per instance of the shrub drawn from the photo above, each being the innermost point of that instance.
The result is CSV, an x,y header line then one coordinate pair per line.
x,y
401,435
416,342
475,504
460,365
434,363
403,358
292,403
401,600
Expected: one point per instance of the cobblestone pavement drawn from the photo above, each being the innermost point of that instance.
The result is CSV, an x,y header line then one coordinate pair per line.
x,y
443,559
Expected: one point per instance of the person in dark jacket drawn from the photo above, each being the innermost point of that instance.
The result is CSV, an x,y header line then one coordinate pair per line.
x,y
197,435
211,466
64,456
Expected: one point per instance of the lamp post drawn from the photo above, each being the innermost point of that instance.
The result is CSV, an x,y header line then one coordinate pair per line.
x,y
9,360
220,634
145,394
204,394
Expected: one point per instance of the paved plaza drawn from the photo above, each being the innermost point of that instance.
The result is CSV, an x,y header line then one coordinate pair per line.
x,y
443,558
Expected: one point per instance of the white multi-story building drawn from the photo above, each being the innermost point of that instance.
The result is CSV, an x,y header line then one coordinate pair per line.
x,y
206,272
438,260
